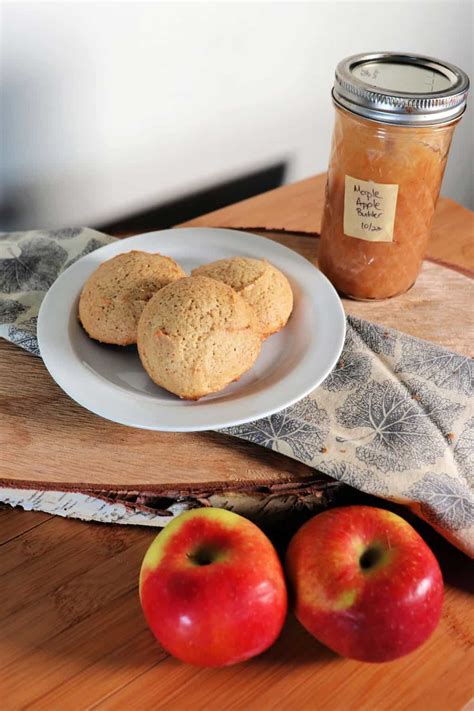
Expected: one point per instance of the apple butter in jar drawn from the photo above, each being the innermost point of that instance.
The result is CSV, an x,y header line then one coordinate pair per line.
x,y
395,117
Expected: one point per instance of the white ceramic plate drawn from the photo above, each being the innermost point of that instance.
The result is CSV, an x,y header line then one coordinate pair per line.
x,y
110,381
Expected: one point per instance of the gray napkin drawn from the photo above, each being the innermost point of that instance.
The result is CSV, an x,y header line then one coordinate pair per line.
x,y
395,418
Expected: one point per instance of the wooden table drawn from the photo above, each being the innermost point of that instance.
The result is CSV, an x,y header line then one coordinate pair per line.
x,y
72,635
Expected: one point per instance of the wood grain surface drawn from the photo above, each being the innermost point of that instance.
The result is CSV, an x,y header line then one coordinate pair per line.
x,y
72,636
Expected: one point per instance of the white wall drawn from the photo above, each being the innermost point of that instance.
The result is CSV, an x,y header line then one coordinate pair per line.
x,y
109,108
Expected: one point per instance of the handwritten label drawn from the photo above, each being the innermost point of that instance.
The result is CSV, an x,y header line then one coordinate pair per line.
x,y
369,210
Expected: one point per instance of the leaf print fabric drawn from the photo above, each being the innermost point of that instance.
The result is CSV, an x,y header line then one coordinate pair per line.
x,y
397,427
29,264
63,233
447,370
35,267
445,501
464,451
352,369
10,310
24,335
302,428
377,338
394,419
91,246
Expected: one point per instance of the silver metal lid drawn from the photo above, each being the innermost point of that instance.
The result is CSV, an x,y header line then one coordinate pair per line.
x,y
402,89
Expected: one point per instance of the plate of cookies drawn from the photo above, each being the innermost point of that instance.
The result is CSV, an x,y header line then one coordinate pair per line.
x,y
190,329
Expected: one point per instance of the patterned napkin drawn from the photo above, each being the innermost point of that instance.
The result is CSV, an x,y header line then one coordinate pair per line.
x,y
395,418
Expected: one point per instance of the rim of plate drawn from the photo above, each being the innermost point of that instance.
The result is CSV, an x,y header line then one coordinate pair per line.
x,y
87,387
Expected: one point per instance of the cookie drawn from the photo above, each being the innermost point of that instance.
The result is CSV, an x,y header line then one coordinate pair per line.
x,y
262,285
196,336
115,295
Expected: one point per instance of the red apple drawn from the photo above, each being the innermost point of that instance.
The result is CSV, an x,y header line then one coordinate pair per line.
x,y
212,588
365,583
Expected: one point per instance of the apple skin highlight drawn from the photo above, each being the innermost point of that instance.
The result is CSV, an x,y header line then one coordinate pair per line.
x,y
364,583
212,588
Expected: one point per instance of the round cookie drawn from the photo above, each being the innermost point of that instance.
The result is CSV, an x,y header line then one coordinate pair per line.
x,y
196,336
261,284
115,295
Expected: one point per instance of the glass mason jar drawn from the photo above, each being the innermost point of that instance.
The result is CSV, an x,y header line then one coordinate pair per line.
x,y
395,118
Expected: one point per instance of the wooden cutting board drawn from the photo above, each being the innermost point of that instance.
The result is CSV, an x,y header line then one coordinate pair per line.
x,y
50,441
298,208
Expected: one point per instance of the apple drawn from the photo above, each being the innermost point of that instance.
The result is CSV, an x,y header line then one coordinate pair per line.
x,y
365,583
212,588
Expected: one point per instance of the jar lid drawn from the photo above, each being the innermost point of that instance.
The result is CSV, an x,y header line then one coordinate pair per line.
x,y
403,89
